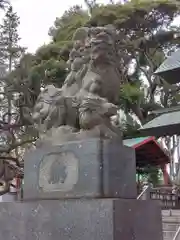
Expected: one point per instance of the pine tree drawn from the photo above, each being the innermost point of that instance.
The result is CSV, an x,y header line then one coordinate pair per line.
x,y
10,51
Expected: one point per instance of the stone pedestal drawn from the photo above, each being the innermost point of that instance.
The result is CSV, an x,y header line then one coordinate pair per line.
x,y
91,168
81,190
106,219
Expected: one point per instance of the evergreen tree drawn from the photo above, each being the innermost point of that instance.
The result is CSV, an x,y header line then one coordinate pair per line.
x,y
9,39
10,54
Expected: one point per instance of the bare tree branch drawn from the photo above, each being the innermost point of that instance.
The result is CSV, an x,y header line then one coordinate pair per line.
x,y
18,144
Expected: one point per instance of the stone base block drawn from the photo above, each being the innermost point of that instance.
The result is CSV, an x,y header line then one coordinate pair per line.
x,y
90,168
99,219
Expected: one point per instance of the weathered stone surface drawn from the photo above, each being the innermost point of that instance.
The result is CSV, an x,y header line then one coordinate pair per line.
x,y
87,99
119,175
97,219
91,168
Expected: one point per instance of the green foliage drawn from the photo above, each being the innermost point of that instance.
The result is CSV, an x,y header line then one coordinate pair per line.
x,y
136,15
130,127
132,93
150,174
65,26
9,41
51,71
46,52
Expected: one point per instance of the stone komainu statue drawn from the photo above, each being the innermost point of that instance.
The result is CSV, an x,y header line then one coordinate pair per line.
x,y
83,107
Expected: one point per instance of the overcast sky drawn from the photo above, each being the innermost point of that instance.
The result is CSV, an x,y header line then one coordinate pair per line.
x,y
37,16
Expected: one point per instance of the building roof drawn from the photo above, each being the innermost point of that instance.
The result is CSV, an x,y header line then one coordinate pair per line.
x,y
135,142
165,124
170,68
148,151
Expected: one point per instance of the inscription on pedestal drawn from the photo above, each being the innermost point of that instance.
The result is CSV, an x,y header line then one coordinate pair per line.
x,y
58,172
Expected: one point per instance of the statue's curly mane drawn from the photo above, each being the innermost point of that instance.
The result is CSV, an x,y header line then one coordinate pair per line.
x,y
91,87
